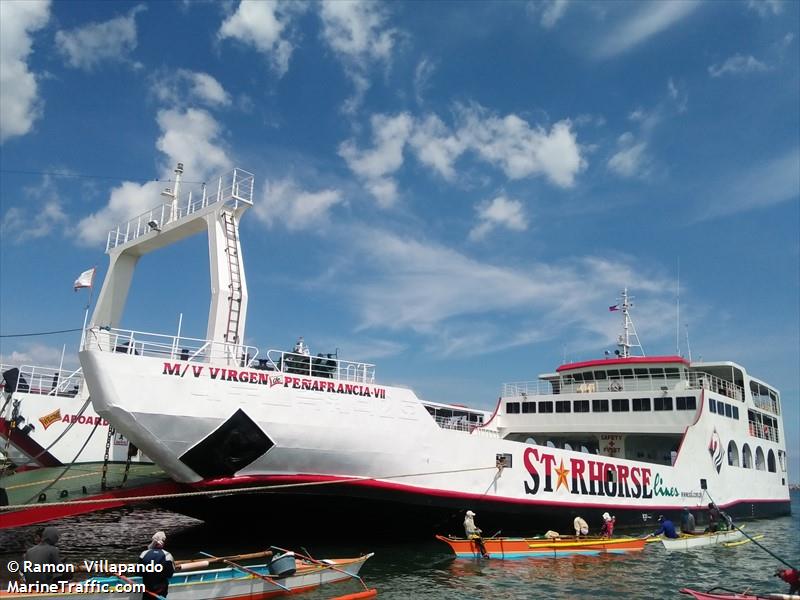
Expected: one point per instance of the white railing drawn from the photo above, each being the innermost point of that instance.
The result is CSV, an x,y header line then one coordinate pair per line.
x,y
140,343
767,404
47,381
319,366
763,431
630,383
461,424
231,188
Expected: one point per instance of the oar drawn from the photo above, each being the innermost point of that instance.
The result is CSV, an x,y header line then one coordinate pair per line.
x,y
248,571
190,562
126,580
496,534
330,566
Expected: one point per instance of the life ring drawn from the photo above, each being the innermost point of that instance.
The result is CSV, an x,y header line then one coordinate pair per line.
x,y
614,386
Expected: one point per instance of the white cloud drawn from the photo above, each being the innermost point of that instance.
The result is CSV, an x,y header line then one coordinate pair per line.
x,y
284,203
510,143
499,212
551,11
631,160
389,135
355,30
38,216
20,104
263,24
190,136
422,77
651,19
38,354
87,46
738,64
773,181
765,8
183,86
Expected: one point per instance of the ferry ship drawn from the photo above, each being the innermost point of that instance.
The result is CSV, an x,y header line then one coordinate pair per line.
x,y
323,438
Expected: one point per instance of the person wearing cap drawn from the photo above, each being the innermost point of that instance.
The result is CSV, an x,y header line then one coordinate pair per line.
x,y
473,532
581,526
46,552
666,527
687,522
157,582
607,530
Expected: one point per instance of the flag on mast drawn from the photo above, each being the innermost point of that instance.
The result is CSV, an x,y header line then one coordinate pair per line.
x,y
613,308
85,279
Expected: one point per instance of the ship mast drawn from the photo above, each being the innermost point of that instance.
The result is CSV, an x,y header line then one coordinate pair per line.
x,y
629,338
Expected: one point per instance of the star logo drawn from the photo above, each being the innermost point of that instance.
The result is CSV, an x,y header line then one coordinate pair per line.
x,y
562,476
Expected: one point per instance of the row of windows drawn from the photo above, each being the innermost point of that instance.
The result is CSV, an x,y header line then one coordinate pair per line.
x,y
657,372
723,409
602,405
747,458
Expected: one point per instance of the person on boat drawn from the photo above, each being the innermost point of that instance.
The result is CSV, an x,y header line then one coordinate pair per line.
x,y
666,527
157,582
473,533
792,577
714,518
687,521
581,526
552,535
607,530
46,552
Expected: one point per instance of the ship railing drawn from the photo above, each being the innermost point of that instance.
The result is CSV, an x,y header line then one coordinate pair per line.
x,y
232,189
324,366
47,381
763,431
461,424
766,404
706,381
141,343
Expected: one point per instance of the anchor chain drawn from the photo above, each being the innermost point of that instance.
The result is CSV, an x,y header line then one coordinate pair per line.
x,y
109,437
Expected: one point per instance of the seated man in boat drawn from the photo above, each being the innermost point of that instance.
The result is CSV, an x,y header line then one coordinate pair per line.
x,y
157,582
607,530
666,527
581,526
43,558
687,522
473,533
714,518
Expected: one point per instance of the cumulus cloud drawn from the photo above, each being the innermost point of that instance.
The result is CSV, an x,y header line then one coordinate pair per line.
x,y
185,86
509,143
20,104
265,25
498,212
41,213
649,20
738,65
283,202
110,41
190,136
356,31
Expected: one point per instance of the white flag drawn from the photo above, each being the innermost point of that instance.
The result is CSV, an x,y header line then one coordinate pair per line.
x,y
85,279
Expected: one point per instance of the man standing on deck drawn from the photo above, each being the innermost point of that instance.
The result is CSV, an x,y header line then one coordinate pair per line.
x,y
473,533
157,583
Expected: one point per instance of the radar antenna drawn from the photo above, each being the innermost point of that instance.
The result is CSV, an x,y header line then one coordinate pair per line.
x,y
629,338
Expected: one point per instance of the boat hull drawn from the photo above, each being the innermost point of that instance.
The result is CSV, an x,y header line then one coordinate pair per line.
x,y
542,548
690,542
725,595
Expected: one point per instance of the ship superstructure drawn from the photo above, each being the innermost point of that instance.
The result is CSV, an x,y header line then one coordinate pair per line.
x,y
637,435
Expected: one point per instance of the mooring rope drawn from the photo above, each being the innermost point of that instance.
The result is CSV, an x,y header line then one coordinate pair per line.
x,y
241,490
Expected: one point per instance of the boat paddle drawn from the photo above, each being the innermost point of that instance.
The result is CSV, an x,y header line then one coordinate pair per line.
x,y
250,572
185,565
330,566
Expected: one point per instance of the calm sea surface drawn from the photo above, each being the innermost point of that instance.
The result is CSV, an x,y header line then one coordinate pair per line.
x,y
427,570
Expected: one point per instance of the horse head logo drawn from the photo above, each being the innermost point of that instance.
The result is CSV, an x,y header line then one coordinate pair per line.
x,y
715,450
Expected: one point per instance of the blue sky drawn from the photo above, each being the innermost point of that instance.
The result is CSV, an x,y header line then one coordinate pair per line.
x,y
454,191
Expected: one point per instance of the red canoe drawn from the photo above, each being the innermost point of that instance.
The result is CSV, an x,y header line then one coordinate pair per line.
x,y
723,594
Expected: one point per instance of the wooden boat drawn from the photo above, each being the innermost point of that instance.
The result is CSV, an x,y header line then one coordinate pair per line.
x,y
546,548
231,583
724,594
689,542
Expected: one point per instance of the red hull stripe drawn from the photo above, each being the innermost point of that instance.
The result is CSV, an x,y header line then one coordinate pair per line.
x,y
632,360
28,446
254,480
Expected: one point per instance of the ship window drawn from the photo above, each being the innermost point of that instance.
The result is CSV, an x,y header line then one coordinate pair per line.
x,y
620,405
599,405
672,373
735,410
512,407
588,376
747,457
771,462
782,460
545,407
640,372
657,372
529,407
563,406
729,411
712,405
613,372
626,372
578,376
686,402
733,454
662,403
599,374
641,404
581,406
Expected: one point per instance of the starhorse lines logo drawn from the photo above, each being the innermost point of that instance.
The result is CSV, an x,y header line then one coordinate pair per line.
x,y
591,477
273,379
715,450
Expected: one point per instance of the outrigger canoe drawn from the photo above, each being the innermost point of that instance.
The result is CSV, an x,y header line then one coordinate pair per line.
x,y
243,583
688,542
723,594
544,548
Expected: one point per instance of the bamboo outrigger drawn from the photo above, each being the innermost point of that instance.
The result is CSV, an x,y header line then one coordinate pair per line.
x,y
500,547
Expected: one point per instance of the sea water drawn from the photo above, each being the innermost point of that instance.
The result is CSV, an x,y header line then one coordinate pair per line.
x,y
426,569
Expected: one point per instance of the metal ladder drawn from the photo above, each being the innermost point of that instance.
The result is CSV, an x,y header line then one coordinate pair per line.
x,y
235,285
